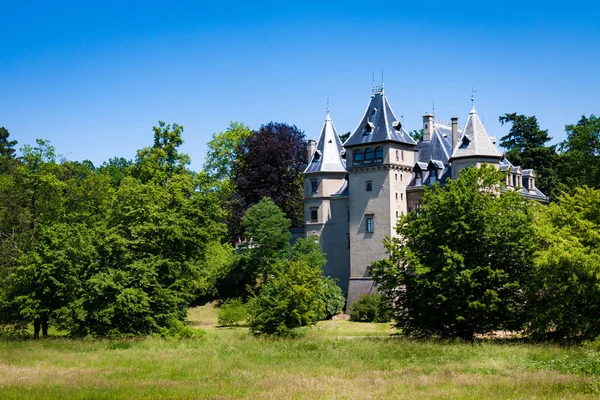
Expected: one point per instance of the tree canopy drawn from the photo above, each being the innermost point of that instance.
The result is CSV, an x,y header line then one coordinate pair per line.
x,y
460,264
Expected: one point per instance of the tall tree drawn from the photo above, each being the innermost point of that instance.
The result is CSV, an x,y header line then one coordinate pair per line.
x,y
223,151
526,146
7,147
270,164
459,265
159,162
565,298
580,158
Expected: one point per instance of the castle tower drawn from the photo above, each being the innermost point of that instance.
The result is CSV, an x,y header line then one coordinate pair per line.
x,y
474,147
380,156
326,201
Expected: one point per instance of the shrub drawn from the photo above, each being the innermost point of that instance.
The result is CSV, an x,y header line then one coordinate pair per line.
x,y
291,298
371,308
332,297
232,312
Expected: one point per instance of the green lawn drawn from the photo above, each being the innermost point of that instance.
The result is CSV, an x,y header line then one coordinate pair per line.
x,y
337,360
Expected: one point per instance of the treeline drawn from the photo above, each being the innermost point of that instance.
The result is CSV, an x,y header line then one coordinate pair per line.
x,y
125,248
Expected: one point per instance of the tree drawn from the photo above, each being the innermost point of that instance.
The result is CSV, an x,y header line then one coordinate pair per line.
x,y
6,146
223,151
270,164
290,298
345,136
566,292
526,146
460,264
580,158
161,161
117,168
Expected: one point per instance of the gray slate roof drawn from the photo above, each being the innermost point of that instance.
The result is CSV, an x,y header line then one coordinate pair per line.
x,y
328,154
439,147
475,141
382,123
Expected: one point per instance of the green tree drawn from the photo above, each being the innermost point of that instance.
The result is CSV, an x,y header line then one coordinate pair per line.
x,y
566,292
460,264
580,154
526,146
7,147
290,298
117,168
161,161
223,151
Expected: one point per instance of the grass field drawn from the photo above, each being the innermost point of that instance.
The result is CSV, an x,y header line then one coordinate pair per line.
x,y
335,360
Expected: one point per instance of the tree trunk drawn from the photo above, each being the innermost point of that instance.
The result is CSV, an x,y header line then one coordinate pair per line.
x,y
45,327
36,329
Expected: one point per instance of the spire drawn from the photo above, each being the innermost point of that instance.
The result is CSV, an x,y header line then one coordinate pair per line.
x,y
327,156
473,91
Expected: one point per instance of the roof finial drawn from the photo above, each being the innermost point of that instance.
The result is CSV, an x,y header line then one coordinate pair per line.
x,y
473,91
327,103
382,79
433,108
373,82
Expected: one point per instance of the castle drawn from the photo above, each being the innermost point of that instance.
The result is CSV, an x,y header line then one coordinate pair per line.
x,y
354,192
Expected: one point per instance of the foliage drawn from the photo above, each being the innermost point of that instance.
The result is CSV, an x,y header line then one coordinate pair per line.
x,y
459,265
222,151
580,158
566,293
416,134
232,312
289,299
163,160
526,146
371,308
6,146
270,163
117,168
345,136
333,298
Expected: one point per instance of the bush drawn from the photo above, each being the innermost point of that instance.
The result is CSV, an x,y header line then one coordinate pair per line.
x,y
291,298
371,308
232,312
332,297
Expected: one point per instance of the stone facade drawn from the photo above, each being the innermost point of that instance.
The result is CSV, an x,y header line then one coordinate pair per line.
x,y
354,192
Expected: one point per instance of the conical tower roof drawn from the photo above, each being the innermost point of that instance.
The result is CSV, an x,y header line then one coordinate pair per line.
x,y
327,156
475,141
379,124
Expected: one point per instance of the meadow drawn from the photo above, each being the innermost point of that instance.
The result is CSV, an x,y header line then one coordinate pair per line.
x,y
334,360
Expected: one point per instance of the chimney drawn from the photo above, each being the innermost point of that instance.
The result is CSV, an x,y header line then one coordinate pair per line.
x,y
311,147
454,131
427,126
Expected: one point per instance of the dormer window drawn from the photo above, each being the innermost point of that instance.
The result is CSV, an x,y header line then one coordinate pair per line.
x,y
358,157
418,177
316,156
369,128
397,125
464,143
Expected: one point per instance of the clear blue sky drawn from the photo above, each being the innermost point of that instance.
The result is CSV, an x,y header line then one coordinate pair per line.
x,y
94,77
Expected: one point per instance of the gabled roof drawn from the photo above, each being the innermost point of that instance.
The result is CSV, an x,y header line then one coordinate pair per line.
x,y
328,153
475,141
379,124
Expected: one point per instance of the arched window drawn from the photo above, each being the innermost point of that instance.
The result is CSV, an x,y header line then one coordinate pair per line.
x,y
358,157
369,156
379,154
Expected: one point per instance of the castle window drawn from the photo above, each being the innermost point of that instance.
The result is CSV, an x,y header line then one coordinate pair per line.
x,y
316,156
397,156
396,196
348,240
379,154
396,214
418,177
348,214
358,157
314,186
396,176
402,155
368,156
369,223
314,214
369,186
401,196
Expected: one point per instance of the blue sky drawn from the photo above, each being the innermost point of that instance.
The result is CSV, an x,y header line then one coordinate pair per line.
x,y
94,77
